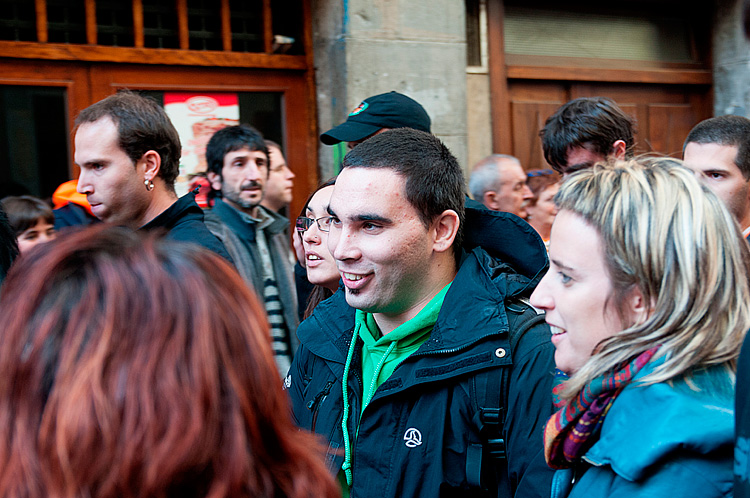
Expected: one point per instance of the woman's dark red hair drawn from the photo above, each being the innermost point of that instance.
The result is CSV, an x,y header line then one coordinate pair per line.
x,y
133,366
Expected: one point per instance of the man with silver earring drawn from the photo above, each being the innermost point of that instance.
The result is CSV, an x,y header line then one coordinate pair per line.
x,y
129,152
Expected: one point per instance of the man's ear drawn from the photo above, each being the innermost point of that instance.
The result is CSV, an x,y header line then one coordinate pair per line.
x,y
151,161
618,149
445,228
215,180
489,199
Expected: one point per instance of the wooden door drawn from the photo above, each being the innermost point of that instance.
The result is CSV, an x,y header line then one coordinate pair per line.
x,y
87,82
664,113
37,102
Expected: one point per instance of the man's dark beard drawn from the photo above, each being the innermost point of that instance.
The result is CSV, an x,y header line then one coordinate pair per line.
x,y
234,196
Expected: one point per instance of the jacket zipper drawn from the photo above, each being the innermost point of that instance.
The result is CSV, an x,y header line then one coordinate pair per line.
x,y
455,350
314,404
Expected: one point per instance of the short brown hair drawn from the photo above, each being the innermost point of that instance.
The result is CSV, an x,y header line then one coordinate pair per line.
x,y
591,122
142,125
729,130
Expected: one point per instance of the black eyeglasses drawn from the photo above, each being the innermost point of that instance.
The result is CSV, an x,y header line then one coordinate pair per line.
x,y
303,223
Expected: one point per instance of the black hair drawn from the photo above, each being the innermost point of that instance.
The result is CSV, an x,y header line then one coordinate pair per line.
x,y
142,125
230,139
594,123
434,180
725,130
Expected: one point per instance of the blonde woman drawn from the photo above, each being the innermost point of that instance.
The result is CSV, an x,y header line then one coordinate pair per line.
x,y
647,297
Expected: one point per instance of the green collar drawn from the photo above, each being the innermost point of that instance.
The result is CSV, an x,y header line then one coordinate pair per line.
x,y
409,330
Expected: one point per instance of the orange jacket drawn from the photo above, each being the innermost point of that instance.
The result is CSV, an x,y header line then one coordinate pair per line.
x,y
66,193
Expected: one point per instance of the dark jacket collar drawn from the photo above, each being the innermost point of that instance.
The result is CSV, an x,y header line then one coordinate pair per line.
x,y
507,238
185,208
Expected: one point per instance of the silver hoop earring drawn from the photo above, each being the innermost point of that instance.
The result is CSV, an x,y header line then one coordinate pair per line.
x,y
149,184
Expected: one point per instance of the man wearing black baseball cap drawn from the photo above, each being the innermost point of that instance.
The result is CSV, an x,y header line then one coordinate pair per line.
x,y
376,114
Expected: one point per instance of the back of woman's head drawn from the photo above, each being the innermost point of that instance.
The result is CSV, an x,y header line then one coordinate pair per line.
x,y
671,238
136,366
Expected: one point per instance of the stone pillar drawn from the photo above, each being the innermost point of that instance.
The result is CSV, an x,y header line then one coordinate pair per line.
x,y
416,47
731,54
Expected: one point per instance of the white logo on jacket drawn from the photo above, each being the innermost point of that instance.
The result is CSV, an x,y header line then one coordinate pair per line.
x,y
412,437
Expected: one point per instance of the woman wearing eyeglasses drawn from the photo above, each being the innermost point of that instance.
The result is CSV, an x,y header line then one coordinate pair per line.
x,y
312,229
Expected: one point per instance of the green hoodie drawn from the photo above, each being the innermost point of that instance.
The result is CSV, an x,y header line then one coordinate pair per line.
x,y
381,354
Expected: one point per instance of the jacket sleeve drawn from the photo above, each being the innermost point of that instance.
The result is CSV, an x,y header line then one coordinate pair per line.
x,y
529,408
295,385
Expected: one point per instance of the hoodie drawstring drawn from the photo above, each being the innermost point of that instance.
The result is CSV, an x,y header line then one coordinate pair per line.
x,y
347,465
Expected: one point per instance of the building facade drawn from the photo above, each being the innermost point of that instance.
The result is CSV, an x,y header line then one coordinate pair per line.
x,y
489,72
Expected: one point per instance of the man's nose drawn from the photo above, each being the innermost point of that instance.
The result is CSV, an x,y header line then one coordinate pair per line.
x,y
83,186
252,173
342,244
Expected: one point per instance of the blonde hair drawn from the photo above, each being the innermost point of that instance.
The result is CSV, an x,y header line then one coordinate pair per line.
x,y
673,239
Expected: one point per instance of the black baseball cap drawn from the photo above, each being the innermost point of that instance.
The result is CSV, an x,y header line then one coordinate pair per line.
x,y
387,110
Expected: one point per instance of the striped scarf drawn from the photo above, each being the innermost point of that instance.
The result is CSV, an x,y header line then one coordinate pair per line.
x,y
573,429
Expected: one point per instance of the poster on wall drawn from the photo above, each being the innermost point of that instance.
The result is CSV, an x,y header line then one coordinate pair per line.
x,y
197,116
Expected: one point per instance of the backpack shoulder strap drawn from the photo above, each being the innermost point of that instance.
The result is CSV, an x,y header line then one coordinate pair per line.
x,y
486,464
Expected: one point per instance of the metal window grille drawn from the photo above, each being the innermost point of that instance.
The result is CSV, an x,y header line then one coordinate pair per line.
x,y
204,25
246,25
66,21
17,20
114,23
160,24
250,26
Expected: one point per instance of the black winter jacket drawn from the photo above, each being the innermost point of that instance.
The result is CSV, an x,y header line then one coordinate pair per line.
x,y
183,222
414,436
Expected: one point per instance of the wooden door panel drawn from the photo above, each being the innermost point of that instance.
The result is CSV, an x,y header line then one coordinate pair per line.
x,y
72,76
669,124
539,91
531,105
528,118
664,114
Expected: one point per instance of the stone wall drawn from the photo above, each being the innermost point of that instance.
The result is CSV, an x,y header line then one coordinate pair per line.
x,y
731,54
416,47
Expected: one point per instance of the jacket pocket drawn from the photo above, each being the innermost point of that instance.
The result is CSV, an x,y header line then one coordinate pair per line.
x,y
314,404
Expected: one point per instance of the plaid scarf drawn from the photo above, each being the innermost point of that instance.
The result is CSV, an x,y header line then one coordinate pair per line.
x,y
572,430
